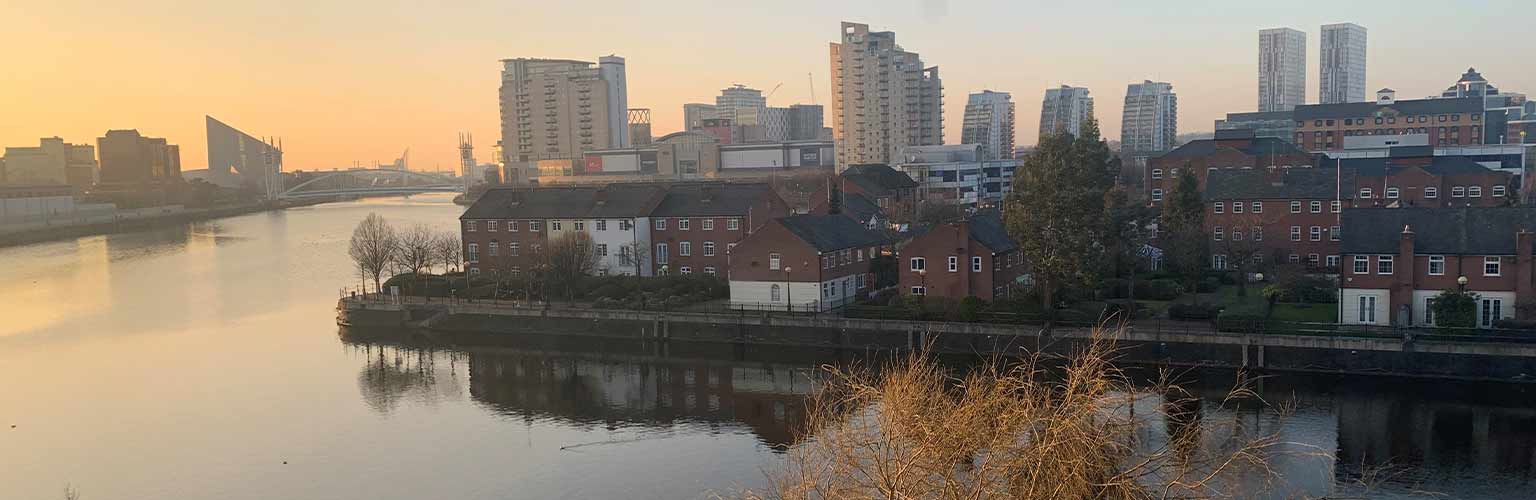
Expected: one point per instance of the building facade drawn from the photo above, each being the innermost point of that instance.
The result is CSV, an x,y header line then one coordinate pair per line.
x,y
52,162
883,98
1447,122
237,159
1150,122
1228,150
1282,69
694,115
1341,73
805,122
804,263
1277,124
1064,110
955,260
556,108
127,157
1397,261
955,174
695,227
988,123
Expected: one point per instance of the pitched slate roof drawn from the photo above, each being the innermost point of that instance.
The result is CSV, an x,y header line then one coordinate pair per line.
x,y
1439,165
710,199
1261,184
831,232
1406,107
1256,147
615,201
987,228
860,207
878,180
1448,231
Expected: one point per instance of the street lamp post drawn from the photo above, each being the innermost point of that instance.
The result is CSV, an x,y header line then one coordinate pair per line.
x,y
1461,284
789,303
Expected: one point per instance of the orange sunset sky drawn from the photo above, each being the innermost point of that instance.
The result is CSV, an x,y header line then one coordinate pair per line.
x,y
345,81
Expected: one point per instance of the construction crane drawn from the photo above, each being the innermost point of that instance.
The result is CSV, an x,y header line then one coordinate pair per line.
x,y
775,89
812,80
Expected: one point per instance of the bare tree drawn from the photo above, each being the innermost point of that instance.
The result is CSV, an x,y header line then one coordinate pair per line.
x,y
1240,247
635,254
570,257
448,250
413,250
373,248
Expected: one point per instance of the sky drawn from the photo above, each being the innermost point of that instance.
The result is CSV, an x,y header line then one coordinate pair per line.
x,y
344,81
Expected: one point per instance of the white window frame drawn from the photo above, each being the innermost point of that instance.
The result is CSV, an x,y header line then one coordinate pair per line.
x,y
1384,265
707,225
775,261
1315,206
1295,233
733,224
917,264
709,249
1333,233
1295,206
1393,193
1315,233
1157,195
683,224
1256,233
1237,207
1435,260
1365,193
1220,207
1431,192
1458,191
685,249
1334,206
490,226
1496,262
1331,261
1474,191
512,226
1362,265
919,290
661,254
1217,233
1499,191
660,224
469,226
1219,262
472,254
953,263
1258,207
554,225
975,264
601,225
1157,174
710,270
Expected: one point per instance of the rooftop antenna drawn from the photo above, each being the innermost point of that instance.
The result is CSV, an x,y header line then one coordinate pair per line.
x,y
812,80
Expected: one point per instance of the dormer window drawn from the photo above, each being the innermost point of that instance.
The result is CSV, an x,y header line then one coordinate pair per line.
x,y
1392,193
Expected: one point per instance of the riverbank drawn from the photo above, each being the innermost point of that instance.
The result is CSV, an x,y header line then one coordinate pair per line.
x,y
138,220
1153,342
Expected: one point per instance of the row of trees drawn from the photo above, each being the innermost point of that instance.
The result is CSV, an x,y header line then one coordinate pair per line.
x,y
377,248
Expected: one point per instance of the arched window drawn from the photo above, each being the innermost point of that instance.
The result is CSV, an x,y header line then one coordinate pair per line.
x,y
773,293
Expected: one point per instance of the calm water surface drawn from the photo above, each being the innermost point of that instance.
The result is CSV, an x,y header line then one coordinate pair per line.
x,y
192,362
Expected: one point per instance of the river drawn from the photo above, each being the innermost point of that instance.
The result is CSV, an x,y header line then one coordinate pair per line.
x,y
203,361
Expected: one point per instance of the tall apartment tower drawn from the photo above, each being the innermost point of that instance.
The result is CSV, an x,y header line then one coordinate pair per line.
x,y
1342,72
1150,123
558,108
1064,110
989,124
883,98
1282,69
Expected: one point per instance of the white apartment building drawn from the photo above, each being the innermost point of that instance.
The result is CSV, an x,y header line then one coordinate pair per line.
x,y
989,124
1282,69
1064,110
1342,68
883,98
557,108
1150,123
957,174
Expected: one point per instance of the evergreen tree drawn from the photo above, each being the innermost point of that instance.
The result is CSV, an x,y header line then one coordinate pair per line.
x,y
1056,211
1186,249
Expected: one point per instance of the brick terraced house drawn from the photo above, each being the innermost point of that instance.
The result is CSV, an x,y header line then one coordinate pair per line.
x,y
971,258
804,263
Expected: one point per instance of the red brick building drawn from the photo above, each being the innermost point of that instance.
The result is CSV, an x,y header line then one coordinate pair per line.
x,y
972,258
1448,121
804,262
695,225
886,187
1415,177
1230,149
1397,261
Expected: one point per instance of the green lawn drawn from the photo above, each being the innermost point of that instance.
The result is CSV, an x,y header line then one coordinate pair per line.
x,y
1304,313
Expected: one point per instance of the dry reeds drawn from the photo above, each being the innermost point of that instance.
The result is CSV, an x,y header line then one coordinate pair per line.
x,y
1080,429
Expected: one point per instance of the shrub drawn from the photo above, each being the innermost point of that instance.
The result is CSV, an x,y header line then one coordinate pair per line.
x,y
1159,289
970,308
1208,285
1122,310
608,291
1243,320
1311,290
1515,324
1188,312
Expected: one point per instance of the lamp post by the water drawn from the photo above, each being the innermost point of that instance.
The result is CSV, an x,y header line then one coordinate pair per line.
x,y
789,303
1461,284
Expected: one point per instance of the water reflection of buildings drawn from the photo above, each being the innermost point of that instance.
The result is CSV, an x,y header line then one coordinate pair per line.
x,y
617,385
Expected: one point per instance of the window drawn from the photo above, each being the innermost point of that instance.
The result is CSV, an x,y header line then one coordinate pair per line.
x,y
1474,191
1311,260
1333,233
1365,193
1491,266
826,262
1383,264
1493,309
774,293
473,254
535,225
1437,265
1315,233
954,263
579,225
1498,191
1221,207
1295,233
512,226
1459,192
1429,311
469,226
513,248
1316,207
1362,264
682,224
1334,206
661,225
919,264
685,249
709,224
1237,234
709,249
601,225
494,248
1157,195
975,264
1295,207
1157,173
1173,172
1367,309
919,290
1258,233
1431,192
1392,193
625,225
774,260
1218,233
490,226
661,253
602,249
859,255
710,270
1258,207
1332,261
1218,262
554,225
685,270
1237,207
733,224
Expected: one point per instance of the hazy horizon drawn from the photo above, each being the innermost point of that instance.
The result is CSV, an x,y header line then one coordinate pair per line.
x,y
352,81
